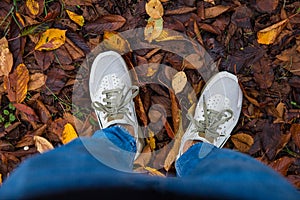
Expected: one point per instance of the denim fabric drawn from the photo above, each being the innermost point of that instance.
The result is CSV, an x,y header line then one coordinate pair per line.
x,y
102,163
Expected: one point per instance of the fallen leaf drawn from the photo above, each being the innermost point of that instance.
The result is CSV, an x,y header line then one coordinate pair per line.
x,y
114,41
179,81
154,9
169,35
280,110
175,111
30,113
0,179
42,144
282,164
68,133
151,140
33,6
51,39
154,172
267,5
17,84
210,1
181,11
6,58
78,2
153,29
42,111
242,141
215,11
105,23
295,131
268,35
263,73
36,81
78,19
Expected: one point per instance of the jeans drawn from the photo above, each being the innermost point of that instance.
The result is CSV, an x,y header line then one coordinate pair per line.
x,y
89,164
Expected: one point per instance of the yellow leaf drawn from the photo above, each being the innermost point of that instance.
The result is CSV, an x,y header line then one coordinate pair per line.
x,y
51,39
42,144
68,134
154,172
0,179
114,41
78,19
6,58
179,81
151,140
154,9
33,7
269,34
153,29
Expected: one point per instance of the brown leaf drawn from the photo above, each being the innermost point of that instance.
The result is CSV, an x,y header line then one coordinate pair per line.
x,y
6,58
105,23
30,113
175,112
263,73
57,127
280,108
144,158
78,2
267,5
215,11
42,144
17,84
43,112
179,81
295,180
140,110
56,79
242,141
114,41
36,81
295,131
73,50
44,59
180,11
282,164
154,172
27,140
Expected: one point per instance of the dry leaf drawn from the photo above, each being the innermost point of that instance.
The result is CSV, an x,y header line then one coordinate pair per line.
x,y
269,34
6,58
154,172
78,19
242,141
17,84
51,39
153,29
210,1
0,179
36,81
105,23
215,11
151,140
181,11
33,7
179,81
280,110
169,35
154,9
114,41
295,131
42,144
68,134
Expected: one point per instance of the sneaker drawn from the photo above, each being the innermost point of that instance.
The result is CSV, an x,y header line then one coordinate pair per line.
x,y
112,92
217,112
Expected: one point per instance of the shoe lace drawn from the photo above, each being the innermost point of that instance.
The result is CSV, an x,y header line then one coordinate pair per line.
x,y
116,102
208,128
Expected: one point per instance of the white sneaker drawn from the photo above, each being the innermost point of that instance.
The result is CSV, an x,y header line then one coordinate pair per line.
x,y
112,93
217,111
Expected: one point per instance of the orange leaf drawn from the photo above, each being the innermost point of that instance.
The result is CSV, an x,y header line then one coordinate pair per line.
x,y
154,9
51,39
68,134
42,144
242,141
17,84
269,34
6,58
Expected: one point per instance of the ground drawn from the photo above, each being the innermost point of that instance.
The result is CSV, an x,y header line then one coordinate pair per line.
x,y
171,49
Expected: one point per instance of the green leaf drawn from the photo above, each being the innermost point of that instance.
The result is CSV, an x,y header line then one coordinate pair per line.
x,y
7,124
12,117
5,112
34,29
11,106
1,119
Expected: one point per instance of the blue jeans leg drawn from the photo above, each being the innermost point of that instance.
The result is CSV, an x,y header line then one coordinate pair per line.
x,y
227,173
